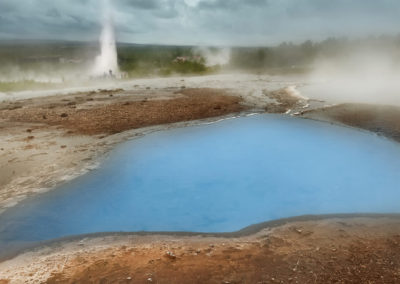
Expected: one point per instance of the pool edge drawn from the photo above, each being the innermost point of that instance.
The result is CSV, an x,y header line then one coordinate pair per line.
x,y
245,232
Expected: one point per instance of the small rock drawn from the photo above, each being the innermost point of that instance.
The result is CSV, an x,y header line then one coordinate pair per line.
x,y
64,115
170,255
150,279
129,278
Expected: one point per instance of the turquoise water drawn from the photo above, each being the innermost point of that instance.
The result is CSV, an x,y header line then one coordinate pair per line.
x,y
219,177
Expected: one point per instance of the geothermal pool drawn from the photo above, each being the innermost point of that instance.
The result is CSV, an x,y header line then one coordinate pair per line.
x,y
218,177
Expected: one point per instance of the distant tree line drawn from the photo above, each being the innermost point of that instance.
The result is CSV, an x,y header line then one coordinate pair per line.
x,y
301,56
144,60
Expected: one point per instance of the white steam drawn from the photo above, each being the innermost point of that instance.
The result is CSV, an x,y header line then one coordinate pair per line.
x,y
215,56
365,76
107,61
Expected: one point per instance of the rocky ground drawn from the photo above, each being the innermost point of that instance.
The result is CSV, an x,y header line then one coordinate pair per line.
x,y
338,250
114,111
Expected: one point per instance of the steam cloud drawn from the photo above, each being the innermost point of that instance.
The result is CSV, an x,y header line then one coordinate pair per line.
x,y
107,61
215,56
363,75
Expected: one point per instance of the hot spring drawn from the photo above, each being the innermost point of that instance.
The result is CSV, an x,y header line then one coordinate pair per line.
x,y
218,177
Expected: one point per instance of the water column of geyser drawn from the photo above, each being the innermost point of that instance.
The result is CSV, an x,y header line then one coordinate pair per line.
x,y
106,63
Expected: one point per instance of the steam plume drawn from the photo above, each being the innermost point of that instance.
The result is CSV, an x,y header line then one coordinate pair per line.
x,y
107,61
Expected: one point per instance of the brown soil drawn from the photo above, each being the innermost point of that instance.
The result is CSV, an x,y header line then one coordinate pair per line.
x,y
327,251
381,119
102,116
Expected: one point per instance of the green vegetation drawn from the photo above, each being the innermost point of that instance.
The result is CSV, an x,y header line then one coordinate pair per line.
x,y
25,85
160,60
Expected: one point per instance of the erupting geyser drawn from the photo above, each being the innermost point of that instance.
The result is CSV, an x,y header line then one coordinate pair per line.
x,y
106,63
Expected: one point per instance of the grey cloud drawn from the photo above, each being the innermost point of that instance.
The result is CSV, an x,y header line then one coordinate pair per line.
x,y
233,4
166,14
217,4
139,4
54,13
241,22
6,7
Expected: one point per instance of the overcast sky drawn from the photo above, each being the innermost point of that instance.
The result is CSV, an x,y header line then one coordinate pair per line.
x,y
203,22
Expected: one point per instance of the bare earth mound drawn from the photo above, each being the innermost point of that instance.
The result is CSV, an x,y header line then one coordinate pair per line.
x,y
356,250
95,113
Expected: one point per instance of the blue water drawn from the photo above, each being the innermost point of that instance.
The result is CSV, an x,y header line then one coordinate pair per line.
x,y
220,177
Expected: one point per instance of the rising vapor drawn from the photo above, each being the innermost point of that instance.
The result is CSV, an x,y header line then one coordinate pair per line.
x,y
107,62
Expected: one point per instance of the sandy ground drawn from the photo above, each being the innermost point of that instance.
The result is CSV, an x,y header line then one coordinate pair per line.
x,y
32,162
49,138
338,250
